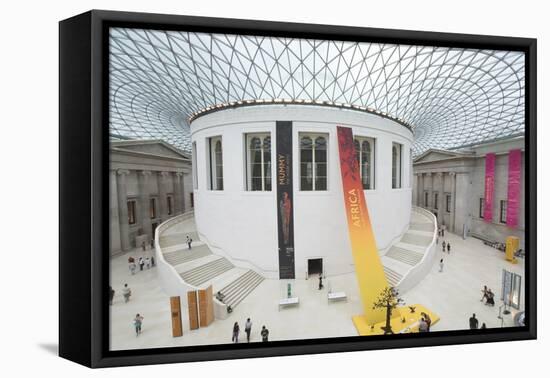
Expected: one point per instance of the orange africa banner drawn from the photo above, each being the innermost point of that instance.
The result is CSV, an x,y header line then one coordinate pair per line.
x,y
368,267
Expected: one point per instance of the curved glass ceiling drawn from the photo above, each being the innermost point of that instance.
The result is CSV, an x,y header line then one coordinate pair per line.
x,y
450,97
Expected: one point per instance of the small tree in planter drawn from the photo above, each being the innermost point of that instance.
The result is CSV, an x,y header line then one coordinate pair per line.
x,y
388,299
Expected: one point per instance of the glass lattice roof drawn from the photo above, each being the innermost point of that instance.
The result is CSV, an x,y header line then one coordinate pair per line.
x,y
449,96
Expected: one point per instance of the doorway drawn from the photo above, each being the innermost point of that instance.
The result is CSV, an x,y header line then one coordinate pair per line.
x,y
314,266
154,227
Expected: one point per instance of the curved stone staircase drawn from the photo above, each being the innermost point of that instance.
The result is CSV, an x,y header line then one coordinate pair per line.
x,y
199,267
410,252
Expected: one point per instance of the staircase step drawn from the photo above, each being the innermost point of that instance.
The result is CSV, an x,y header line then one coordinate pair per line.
x,y
404,255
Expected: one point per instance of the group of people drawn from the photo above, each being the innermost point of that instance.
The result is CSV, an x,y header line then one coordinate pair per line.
x,y
474,323
488,296
147,262
126,293
248,330
144,246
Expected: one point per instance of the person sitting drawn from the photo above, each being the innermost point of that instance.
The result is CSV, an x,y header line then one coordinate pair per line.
x,y
490,301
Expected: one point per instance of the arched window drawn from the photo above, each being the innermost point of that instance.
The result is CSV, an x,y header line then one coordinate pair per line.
x,y
258,162
313,162
396,165
215,163
364,149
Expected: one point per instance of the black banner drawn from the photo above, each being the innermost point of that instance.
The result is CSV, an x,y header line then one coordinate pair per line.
x,y
285,201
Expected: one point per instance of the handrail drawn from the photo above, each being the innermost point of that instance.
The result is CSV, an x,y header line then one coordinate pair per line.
x,y
161,262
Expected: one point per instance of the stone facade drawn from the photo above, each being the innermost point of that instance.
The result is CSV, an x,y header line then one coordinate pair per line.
x,y
149,182
451,184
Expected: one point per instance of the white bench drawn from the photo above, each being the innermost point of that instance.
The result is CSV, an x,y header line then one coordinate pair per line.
x,y
337,296
295,301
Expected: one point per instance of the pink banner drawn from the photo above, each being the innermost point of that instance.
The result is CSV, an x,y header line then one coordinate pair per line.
x,y
489,187
514,177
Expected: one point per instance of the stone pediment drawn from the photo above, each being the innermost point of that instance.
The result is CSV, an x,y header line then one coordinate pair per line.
x,y
157,148
436,155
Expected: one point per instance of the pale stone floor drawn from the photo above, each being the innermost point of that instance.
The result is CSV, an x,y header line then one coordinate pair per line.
x,y
453,294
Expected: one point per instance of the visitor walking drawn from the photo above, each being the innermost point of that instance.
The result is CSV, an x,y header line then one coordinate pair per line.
x,y
441,266
126,293
235,337
443,245
147,262
248,329
189,241
264,333
131,264
485,292
152,261
111,295
449,248
138,320
141,263
473,322
321,282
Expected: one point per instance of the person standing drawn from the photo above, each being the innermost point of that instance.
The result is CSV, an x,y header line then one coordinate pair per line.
x,y
189,241
473,322
428,320
147,262
235,337
141,263
441,266
126,293
449,248
152,261
111,295
138,320
443,245
248,329
264,333
422,325
321,282
133,268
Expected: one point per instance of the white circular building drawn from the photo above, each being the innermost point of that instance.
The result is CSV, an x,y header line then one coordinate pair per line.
x,y
235,154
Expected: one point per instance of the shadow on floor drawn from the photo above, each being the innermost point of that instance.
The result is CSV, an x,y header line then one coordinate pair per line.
x,y
52,348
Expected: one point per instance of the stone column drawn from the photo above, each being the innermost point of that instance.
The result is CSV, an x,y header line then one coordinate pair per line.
x,y
441,198
453,196
420,190
429,187
123,209
144,196
114,220
163,202
178,189
180,176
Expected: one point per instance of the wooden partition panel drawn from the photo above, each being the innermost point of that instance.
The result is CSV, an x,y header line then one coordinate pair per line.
x,y
206,306
193,310
175,308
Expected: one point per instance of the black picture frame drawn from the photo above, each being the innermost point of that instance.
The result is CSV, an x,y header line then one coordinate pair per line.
x,y
83,195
